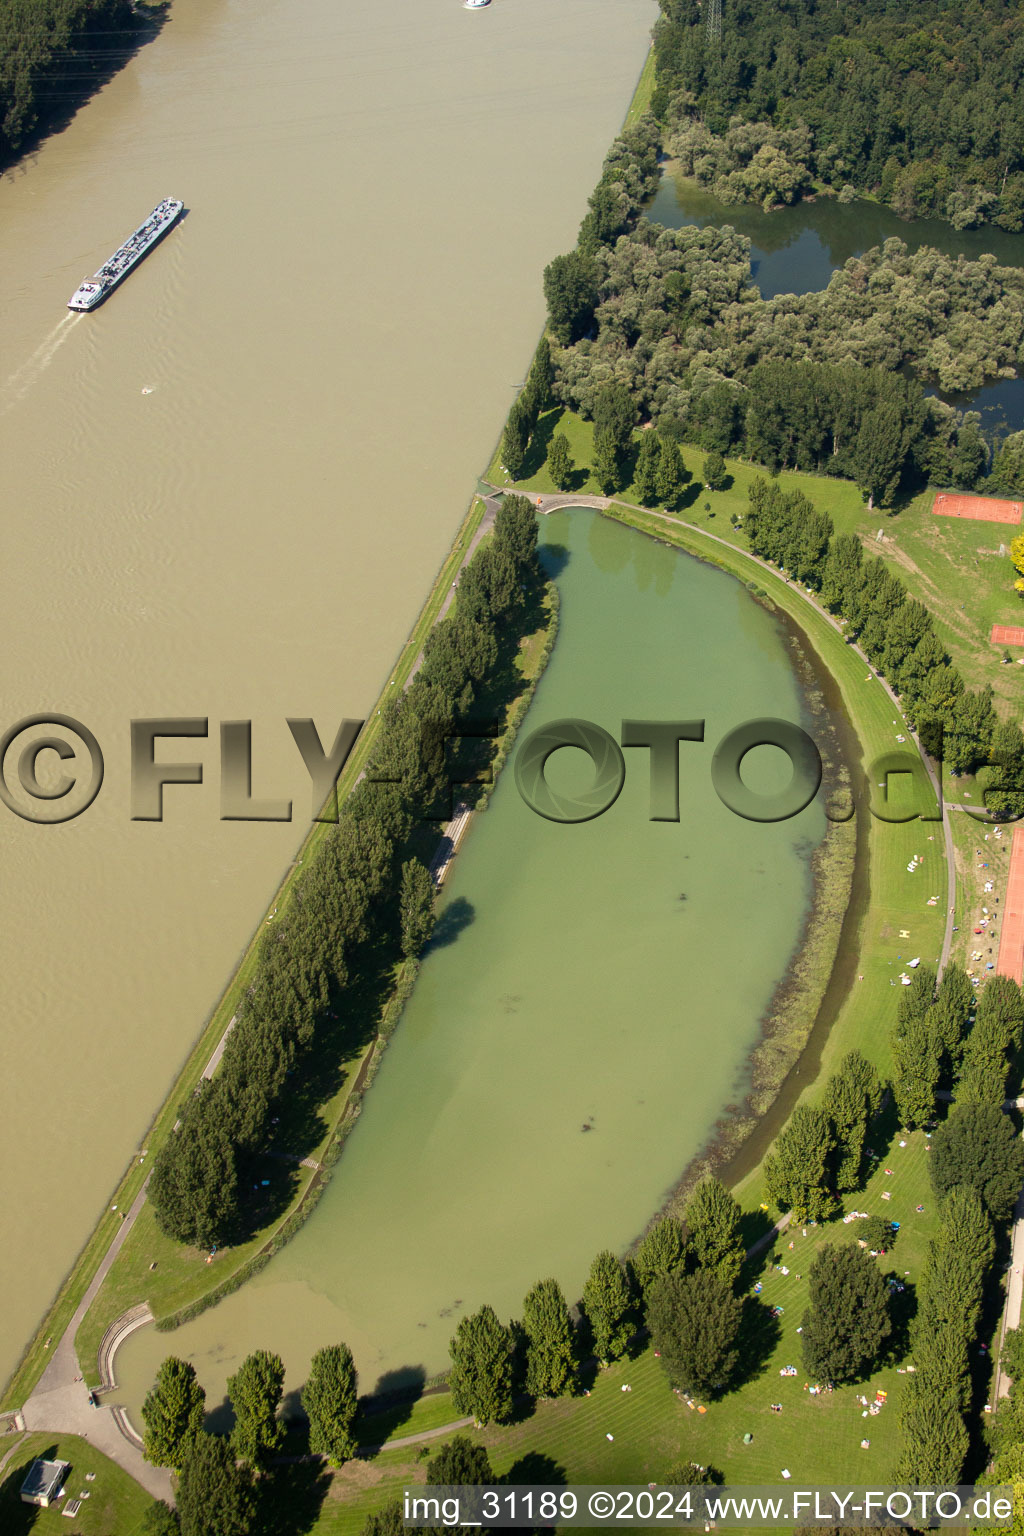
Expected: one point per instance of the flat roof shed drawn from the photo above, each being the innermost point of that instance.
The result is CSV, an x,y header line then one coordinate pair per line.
x,y
43,1481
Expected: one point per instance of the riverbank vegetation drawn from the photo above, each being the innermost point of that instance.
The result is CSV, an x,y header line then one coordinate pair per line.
x,y
822,381
310,1001
173,1277
918,106
55,53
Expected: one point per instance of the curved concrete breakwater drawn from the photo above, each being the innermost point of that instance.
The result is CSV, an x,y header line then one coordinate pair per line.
x,y
229,489
609,977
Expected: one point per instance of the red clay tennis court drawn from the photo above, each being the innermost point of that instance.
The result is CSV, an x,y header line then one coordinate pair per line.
x,y
982,509
1011,930
1007,634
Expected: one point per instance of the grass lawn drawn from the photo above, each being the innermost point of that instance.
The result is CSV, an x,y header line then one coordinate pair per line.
x,y
972,898
955,569
115,1506
952,566
644,91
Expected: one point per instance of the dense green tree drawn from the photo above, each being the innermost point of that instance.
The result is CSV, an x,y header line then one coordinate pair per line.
x,y
661,1251
560,464
514,442
159,1520
798,1171
713,1229
695,1321
607,462
848,1319
953,1280
194,1184
672,473
515,534
916,1000
950,1018
172,1413
1004,796
853,1096
537,393
609,1306
1005,1429
690,1474
330,1399
876,1234
978,1147
934,1444
459,1463
714,471
215,1495
647,465
1007,475
386,1521
481,1373
717,417
917,1068
255,1391
53,55
615,414
1001,1009
969,456
417,898
549,1354
940,1359
570,288
967,739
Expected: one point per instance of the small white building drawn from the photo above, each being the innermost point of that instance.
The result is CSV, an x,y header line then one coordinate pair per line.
x,y
43,1482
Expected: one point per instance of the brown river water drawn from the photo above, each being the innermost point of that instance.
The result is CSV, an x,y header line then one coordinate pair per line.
x,y
227,491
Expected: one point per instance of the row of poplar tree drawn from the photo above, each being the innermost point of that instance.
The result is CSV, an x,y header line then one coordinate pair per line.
x,y
219,1476
944,1041
896,633
682,1286
942,1035
679,1283
364,896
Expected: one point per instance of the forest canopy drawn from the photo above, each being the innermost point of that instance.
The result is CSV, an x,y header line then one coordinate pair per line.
x,y
53,53
914,100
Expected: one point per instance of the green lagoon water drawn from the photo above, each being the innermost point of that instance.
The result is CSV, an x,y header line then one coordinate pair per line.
x,y
612,972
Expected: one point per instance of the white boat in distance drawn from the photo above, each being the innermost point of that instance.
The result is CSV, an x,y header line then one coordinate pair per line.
x,y
94,290
475,5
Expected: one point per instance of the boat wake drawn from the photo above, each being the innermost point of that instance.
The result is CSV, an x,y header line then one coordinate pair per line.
x,y
22,379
